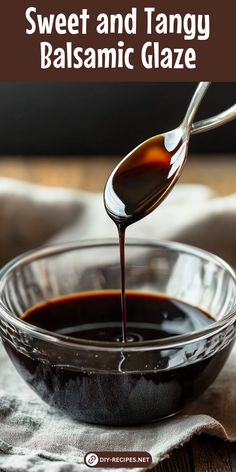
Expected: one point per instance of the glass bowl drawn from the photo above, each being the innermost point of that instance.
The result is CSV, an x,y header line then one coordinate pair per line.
x,y
115,383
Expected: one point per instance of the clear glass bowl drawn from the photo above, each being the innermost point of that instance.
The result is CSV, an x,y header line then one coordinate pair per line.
x,y
118,383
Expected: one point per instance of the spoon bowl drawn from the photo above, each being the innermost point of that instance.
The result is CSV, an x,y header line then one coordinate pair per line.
x,y
143,178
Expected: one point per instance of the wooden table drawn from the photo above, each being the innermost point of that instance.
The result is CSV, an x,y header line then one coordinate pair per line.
x,y
202,454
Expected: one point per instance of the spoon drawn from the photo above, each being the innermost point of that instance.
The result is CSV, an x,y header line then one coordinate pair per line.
x,y
147,174
143,178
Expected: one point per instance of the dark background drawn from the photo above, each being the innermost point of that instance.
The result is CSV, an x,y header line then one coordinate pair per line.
x,y
104,118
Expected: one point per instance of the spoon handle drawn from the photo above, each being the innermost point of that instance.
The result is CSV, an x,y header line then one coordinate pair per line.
x,y
215,121
194,104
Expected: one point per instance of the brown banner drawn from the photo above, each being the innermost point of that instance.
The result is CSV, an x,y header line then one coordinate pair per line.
x,y
162,40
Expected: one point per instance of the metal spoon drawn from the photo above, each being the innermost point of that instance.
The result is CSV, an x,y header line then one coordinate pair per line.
x,y
144,177
147,174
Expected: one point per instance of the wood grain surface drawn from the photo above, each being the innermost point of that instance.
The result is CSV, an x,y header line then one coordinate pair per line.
x,y
90,173
203,453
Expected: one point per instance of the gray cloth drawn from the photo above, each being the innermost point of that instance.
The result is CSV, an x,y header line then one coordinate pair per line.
x,y
33,436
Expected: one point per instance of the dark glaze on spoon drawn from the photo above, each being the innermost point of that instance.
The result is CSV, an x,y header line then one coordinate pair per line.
x,y
139,184
143,179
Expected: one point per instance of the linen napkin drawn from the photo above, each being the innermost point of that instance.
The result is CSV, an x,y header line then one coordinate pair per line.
x,y
37,438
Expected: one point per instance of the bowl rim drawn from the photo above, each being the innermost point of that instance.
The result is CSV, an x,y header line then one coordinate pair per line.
x,y
67,341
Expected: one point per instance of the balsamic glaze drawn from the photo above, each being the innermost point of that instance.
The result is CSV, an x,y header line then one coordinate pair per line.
x,y
138,185
96,316
117,388
120,387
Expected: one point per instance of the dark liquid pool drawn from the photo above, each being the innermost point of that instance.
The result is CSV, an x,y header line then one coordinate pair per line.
x,y
123,388
96,316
